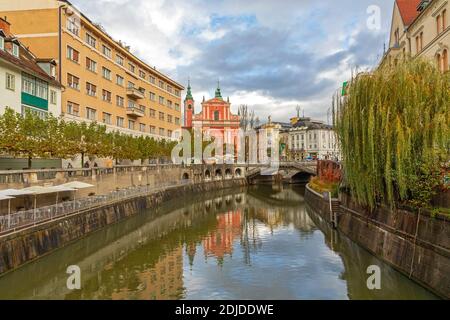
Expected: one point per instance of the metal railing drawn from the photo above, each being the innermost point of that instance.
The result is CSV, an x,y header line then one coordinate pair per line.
x,y
22,219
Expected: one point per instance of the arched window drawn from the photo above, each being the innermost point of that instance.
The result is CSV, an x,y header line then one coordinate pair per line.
x,y
216,115
445,60
438,24
444,19
438,61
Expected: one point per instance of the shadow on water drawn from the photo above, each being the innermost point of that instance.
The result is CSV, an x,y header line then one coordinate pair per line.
x,y
256,243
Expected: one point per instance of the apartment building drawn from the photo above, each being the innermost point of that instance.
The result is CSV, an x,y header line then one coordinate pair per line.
x,y
26,82
313,139
420,28
104,81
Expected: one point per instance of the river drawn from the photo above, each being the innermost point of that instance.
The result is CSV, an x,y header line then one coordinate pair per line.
x,y
259,242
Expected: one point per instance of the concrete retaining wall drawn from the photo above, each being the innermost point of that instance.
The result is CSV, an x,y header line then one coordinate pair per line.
x,y
29,244
417,245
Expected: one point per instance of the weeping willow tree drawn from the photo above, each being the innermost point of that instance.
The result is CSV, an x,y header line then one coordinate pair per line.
x,y
394,131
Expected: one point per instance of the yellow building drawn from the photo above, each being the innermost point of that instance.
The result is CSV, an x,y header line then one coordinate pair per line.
x,y
103,80
420,28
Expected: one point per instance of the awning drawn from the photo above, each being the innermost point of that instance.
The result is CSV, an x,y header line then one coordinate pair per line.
x,y
15,192
77,185
46,190
2,197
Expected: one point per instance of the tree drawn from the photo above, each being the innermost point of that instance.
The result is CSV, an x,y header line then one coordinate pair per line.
x,y
391,125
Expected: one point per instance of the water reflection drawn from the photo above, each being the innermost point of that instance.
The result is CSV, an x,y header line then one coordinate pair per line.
x,y
257,243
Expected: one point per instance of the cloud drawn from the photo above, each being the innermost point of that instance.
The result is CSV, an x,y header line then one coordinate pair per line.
x,y
270,55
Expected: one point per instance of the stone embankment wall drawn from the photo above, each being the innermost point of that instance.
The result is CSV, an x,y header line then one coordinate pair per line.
x,y
416,244
26,245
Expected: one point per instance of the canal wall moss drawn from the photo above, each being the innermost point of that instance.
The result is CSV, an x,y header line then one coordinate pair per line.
x,y
416,244
26,245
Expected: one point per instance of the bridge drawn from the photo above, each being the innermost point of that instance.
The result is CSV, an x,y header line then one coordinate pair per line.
x,y
285,171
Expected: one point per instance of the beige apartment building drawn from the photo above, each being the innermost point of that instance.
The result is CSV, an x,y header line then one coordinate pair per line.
x,y
420,28
103,80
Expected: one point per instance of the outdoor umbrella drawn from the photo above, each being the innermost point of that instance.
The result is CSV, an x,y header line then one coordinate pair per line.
x,y
37,190
76,185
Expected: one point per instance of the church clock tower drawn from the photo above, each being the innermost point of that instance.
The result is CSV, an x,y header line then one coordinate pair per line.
x,y
188,107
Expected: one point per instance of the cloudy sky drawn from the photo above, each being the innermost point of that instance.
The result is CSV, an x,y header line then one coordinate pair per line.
x,y
269,54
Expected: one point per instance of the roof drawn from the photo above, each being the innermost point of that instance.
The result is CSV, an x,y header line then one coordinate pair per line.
x,y
27,62
408,10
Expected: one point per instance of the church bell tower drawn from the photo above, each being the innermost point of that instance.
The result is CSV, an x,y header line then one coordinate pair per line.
x,y
188,107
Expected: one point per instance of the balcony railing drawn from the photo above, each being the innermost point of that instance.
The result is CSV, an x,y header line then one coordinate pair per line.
x,y
135,111
135,93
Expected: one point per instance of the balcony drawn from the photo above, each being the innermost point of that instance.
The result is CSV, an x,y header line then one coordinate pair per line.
x,y
135,93
135,112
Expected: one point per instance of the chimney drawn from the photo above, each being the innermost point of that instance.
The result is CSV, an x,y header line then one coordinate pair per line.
x,y
5,26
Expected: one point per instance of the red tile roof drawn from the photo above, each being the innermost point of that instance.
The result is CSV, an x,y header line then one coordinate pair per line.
x,y
408,10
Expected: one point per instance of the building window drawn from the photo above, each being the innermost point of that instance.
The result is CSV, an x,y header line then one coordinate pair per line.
x,y
2,43
15,50
119,80
120,122
73,54
130,84
152,113
73,108
142,74
106,51
91,89
445,60
177,121
141,127
106,73
161,116
34,86
419,42
161,131
161,100
91,114
131,124
161,84
106,118
169,89
169,133
90,40
10,82
120,101
152,129
438,24
106,96
73,82
216,115
169,118
169,104
177,107
73,26
131,104
131,67
152,79
142,108
444,20
91,65
53,96
152,96
119,60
